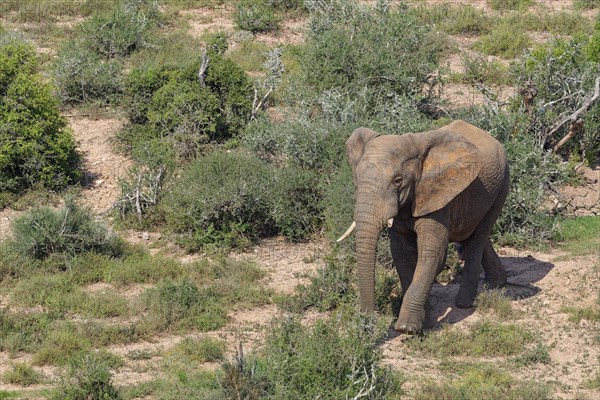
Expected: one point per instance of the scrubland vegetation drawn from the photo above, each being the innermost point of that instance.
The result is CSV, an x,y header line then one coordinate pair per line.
x,y
232,140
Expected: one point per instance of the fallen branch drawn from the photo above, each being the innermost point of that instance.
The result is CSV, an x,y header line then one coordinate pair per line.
x,y
576,119
203,67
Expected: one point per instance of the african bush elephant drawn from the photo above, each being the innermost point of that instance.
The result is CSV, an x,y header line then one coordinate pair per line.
x,y
428,188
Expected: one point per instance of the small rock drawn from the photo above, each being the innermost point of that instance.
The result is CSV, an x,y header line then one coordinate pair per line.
x,y
145,236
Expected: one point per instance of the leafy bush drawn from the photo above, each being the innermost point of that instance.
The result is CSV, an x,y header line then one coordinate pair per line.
x,y
562,78
170,102
230,198
122,30
336,358
351,47
87,377
36,147
82,76
71,229
255,16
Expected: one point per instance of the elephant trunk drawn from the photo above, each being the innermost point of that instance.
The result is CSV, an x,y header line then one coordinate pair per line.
x,y
369,225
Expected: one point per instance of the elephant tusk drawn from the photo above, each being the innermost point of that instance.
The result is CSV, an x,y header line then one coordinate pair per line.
x,y
390,222
348,232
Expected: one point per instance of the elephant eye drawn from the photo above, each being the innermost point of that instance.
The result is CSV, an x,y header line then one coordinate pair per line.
x,y
397,180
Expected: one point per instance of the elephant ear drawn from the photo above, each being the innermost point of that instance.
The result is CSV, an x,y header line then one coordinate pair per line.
x,y
355,146
449,164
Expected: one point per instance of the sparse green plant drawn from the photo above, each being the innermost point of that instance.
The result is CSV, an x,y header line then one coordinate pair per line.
x,y
177,306
255,16
496,301
201,350
22,331
503,5
484,339
538,354
579,313
22,374
478,69
460,19
579,235
504,41
485,383
593,383
62,343
86,377
586,4
71,230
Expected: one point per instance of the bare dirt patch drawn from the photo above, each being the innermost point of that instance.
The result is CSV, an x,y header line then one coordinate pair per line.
x,y
102,166
286,262
540,286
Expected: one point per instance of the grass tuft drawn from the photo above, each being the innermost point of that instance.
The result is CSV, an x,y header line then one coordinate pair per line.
x,y
22,374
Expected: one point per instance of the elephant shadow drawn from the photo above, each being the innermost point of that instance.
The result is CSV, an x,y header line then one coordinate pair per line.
x,y
523,273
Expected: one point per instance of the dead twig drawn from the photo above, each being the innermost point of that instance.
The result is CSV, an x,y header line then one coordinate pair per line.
x,y
575,119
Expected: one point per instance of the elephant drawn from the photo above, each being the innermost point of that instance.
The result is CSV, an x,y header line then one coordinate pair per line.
x,y
428,189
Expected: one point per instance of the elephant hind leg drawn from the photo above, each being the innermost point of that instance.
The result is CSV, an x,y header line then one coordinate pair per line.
x,y
495,274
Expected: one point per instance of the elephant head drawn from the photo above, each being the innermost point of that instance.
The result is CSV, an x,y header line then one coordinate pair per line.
x,y
407,176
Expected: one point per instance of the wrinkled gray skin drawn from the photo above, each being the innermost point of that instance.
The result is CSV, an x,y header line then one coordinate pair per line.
x,y
438,186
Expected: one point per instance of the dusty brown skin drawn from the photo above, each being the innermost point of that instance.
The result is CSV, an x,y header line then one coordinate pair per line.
x,y
438,186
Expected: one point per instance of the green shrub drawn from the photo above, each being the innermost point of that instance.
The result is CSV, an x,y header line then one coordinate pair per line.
x,y
82,76
503,5
70,229
553,69
22,374
36,147
122,30
87,377
592,49
171,102
504,41
231,198
176,306
352,47
336,358
255,16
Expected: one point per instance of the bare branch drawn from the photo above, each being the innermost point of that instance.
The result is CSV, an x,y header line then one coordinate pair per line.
x,y
576,119
203,67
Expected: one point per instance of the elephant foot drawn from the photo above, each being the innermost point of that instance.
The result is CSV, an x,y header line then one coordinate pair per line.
x,y
409,324
466,298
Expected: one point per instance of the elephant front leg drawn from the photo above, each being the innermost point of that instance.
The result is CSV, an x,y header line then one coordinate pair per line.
x,y
432,242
